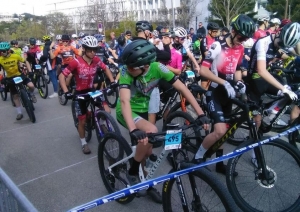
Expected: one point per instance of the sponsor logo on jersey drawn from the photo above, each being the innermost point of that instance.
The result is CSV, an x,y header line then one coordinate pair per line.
x,y
164,68
213,46
208,55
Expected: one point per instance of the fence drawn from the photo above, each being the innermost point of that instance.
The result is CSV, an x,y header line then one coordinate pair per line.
x,y
11,197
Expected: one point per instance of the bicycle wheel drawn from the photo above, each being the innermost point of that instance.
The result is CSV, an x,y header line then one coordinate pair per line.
x,y
213,195
46,75
280,192
112,98
294,137
3,92
87,126
190,146
240,135
189,108
42,86
106,123
115,179
61,97
28,105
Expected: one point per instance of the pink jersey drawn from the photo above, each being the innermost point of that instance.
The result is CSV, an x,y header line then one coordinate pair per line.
x,y
259,34
176,59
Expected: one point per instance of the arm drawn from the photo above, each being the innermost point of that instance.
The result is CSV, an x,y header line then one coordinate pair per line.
x,y
62,82
107,71
53,54
174,70
126,108
262,71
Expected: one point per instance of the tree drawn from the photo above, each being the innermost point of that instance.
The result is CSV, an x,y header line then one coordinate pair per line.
x,y
223,11
186,12
58,23
279,6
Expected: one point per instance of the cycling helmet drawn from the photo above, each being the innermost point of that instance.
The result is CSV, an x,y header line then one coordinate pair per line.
x,y
243,25
4,46
155,33
275,21
263,18
89,42
225,29
13,42
180,32
143,25
32,41
74,36
82,35
65,37
38,43
58,37
284,22
121,40
138,53
213,26
200,35
46,37
290,34
99,37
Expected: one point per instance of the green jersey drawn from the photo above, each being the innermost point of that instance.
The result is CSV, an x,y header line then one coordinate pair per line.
x,y
17,51
142,86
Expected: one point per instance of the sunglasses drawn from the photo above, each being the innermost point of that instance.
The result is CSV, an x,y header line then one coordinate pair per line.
x,y
181,39
65,41
91,50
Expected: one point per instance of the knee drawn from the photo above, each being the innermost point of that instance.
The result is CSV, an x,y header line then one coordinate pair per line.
x,y
220,131
152,129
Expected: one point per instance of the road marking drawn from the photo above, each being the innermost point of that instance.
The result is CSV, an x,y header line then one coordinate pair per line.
x,y
58,170
32,125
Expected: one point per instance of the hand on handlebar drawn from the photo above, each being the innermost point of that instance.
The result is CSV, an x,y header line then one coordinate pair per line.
x,y
240,87
68,95
203,121
230,90
139,135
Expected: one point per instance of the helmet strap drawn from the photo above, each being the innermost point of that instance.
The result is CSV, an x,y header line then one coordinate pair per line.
x,y
232,38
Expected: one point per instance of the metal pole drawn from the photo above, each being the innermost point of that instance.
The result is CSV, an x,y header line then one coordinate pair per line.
x,y
196,23
290,12
173,13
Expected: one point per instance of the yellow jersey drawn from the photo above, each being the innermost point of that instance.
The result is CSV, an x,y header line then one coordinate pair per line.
x,y
11,64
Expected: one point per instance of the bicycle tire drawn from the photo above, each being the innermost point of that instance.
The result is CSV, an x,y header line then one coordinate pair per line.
x,y
247,194
46,75
190,109
294,137
87,126
112,102
4,92
189,145
42,83
119,172
12,100
61,97
209,184
110,124
28,105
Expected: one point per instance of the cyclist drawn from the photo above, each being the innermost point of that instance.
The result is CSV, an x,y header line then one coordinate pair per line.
x,y
74,42
263,22
84,69
139,76
10,63
15,47
274,25
196,46
212,33
224,59
67,53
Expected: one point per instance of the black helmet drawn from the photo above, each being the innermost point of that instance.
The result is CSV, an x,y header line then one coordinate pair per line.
x,y
225,29
13,42
121,40
138,53
200,35
243,25
213,26
99,37
143,25
32,41
65,37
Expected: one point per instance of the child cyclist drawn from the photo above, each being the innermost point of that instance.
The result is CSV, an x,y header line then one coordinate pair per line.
x,y
139,76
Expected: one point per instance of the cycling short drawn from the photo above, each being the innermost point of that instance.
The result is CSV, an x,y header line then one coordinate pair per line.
x,y
81,105
12,86
218,103
154,102
135,116
258,87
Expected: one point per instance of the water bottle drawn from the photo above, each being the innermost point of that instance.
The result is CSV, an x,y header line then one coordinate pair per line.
x,y
150,162
273,112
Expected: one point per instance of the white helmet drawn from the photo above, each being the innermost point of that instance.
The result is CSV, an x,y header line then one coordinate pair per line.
x,y
155,33
58,37
180,32
89,41
290,34
74,36
263,18
275,21
38,43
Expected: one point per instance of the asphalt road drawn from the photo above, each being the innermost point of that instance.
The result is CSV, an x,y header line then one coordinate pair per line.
x,y
46,162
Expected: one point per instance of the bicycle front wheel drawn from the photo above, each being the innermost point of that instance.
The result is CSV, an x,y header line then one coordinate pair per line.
x,y
115,179
42,86
213,195
112,99
3,92
61,97
252,192
28,105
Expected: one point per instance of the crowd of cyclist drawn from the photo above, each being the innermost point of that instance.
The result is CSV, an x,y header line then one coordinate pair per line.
x,y
150,62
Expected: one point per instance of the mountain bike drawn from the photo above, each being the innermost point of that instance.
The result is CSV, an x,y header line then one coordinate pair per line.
x,y
113,172
4,88
61,97
40,81
24,96
97,119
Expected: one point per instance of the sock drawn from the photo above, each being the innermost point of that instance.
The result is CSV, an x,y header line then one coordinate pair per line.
x,y
83,141
201,151
134,169
19,110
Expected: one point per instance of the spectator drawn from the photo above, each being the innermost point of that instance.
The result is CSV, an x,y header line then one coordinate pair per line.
x,y
113,40
224,31
128,36
201,29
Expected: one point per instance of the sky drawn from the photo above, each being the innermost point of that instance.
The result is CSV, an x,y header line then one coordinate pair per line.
x,y
38,7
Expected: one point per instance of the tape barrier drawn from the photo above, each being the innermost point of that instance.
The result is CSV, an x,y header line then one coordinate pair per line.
x,y
152,182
